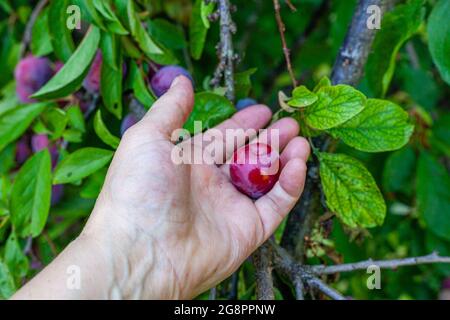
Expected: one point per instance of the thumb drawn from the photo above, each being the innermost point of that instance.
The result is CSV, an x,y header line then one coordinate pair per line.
x,y
172,110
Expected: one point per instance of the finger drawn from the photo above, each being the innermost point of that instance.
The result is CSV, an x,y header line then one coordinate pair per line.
x,y
296,148
236,131
172,110
279,134
275,205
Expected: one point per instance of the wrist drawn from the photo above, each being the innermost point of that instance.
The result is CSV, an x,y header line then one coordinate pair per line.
x,y
136,263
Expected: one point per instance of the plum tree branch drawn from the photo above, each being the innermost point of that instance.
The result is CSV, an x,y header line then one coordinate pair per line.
x,y
353,54
263,273
225,68
29,27
383,264
286,51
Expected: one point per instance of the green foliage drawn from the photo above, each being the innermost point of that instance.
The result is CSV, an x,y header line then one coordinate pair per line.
x,y
397,27
60,35
72,74
433,195
211,109
103,133
81,164
408,66
351,191
30,196
438,33
335,105
14,123
380,126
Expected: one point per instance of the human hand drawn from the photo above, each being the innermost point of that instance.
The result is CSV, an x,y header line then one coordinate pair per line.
x,y
165,231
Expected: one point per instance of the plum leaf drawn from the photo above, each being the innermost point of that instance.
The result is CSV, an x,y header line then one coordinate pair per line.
x,y
380,126
31,194
351,191
72,74
335,105
80,164
103,133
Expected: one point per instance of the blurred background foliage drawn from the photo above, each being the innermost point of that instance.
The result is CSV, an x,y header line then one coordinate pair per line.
x,y
413,180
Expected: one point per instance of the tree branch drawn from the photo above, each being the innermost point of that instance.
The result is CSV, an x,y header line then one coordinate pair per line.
x,y
352,57
286,52
29,27
324,288
383,264
225,68
263,273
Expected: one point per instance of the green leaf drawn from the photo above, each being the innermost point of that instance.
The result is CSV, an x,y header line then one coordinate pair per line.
x,y
381,126
72,74
60,35
205,11
198,30
302,97
433,195
15,122
439,39
15,259
335,105
440,134
167,34
55,121
151,49
137,82
396,28
112,22
7,158
31,193
398,173
351,191
243,83
89,12
76,118
211,109
7,285
103,132
93,185
324,82
112,76
81,164
41,43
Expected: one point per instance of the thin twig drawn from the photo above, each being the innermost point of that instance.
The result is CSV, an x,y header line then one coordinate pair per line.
x,y
263,273
225,68
286,52
383,264
29,27
324,288
299,288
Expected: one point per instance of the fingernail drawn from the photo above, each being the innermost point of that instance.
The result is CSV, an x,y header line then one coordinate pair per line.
x,y
175,82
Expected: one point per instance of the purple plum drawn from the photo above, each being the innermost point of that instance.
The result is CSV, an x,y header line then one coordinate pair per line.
x,y
57,194
92,81
40,142
31,74
162,80
244,103
127,122
23,150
